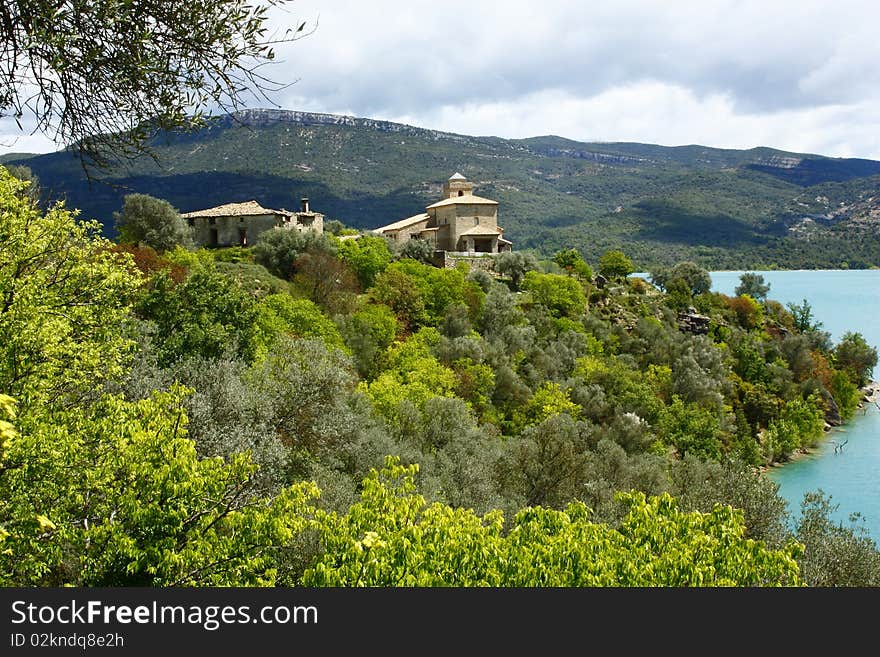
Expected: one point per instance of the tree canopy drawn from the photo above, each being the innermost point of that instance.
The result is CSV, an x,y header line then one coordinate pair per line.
x,y
753,285
392,537
187,418
615,264
65,297
104,76
154,222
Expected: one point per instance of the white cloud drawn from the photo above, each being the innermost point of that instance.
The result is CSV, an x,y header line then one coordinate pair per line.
x,y
794,74
798,76
654,112
22,140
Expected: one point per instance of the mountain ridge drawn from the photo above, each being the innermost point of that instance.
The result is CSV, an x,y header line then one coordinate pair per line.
x,y
724,208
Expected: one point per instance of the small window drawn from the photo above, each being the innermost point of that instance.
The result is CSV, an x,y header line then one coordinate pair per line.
x,y
191,222
212,221
460,192
476,221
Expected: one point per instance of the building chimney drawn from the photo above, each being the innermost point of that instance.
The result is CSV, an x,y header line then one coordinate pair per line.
x,y
305,205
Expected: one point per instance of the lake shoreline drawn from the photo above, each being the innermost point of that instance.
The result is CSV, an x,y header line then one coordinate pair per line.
x,y
841,301
870,395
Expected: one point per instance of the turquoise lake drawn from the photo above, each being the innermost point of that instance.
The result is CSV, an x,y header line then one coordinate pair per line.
x,y
843,300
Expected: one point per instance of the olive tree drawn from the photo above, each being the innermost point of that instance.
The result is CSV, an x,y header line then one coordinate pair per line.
x,y
515,265
154,222
753,285
856,357
615,264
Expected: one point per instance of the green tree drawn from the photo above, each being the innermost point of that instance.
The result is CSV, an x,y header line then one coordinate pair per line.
x,y
679,296
226,413
279,249
699,485
802,314
420,250
64,66
547,463
659,276
64,296
834,554
856,357
114,494
422,294
550,399
614,264
368,255
149,221
573,263
392,537
845,393
402,293
696,278
308,387
368,332
753,285
281,315
25,174
561,295
691,429
337,228
515,265
800,423
206,315
413,375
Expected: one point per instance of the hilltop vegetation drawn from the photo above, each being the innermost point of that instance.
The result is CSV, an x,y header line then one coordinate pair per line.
x,y
311,412
724,209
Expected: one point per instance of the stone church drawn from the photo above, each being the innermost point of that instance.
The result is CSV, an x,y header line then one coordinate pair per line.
x,y
460,222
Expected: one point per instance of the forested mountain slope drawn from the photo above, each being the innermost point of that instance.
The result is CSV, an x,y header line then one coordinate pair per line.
x,y
725,209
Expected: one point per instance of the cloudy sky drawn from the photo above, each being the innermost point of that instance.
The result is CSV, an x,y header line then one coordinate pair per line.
x,y
796,75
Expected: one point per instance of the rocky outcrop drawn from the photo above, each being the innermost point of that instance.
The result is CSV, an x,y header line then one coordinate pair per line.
x,y
595,156
693,322
832,411
268,117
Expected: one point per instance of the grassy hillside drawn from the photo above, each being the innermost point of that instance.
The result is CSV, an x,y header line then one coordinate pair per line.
x,y
754,208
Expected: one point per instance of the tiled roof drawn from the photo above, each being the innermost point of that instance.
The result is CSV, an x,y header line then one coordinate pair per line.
x,y
234,210
403,223
482,230
467,199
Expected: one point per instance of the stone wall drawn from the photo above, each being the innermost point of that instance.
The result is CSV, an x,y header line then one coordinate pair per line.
x,y
406,233
468,216
448,260
310,221
229,229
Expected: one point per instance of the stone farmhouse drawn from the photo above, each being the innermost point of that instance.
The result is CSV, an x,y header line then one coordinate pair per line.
x,y
460,223
240,224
